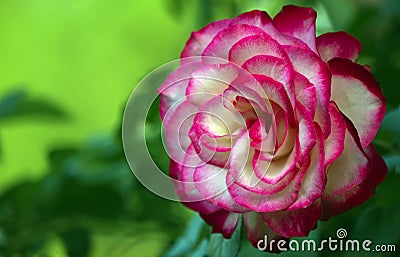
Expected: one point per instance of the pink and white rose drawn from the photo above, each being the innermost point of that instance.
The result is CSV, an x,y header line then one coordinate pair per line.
x,y
277,129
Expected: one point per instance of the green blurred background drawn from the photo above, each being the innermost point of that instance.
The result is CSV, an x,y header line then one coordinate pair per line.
x,y
67,69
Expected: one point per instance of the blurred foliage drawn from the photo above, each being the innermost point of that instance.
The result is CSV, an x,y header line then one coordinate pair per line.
x,y
85,200
88,188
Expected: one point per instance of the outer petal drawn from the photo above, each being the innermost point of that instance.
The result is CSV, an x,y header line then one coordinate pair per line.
x,y
262,20
338,44
357,195
350,169
358,96
199,40
298,22
211,183
187,191
225,39
222,222
294,223
172,90
257,230
251,46
177,123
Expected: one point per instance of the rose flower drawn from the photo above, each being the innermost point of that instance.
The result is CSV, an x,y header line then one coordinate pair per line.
x,y
268,123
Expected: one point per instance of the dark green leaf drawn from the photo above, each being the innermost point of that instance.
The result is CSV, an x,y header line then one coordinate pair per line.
x,y
221,247
185,243
201,250
393,162
18,104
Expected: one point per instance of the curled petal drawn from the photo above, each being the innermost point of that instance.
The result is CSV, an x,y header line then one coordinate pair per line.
x,y
214,130
267,203
225,39
260,44
215,119
262,20
358,96
298,22
277,94
306,94
314,181
210,81
294,223
241,171
211,183
278,69
338,44
177,122
377,170
258,231
334,144
186,190
350,169
172,90
199,40
306,131
317,72
222,221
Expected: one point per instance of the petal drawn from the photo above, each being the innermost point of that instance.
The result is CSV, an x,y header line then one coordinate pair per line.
x,y
306,93
275,91
215,119
211,183
225,39
306,134
350,169
262,20
273,171
251,46
357,195
177,123
358,96
298,22
206,152
278,69
199,40
338,44
172,90
314,181
241,171
334,144
259,234
222,222
214,131
317,72
186,190
210,81
294,223
267,203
